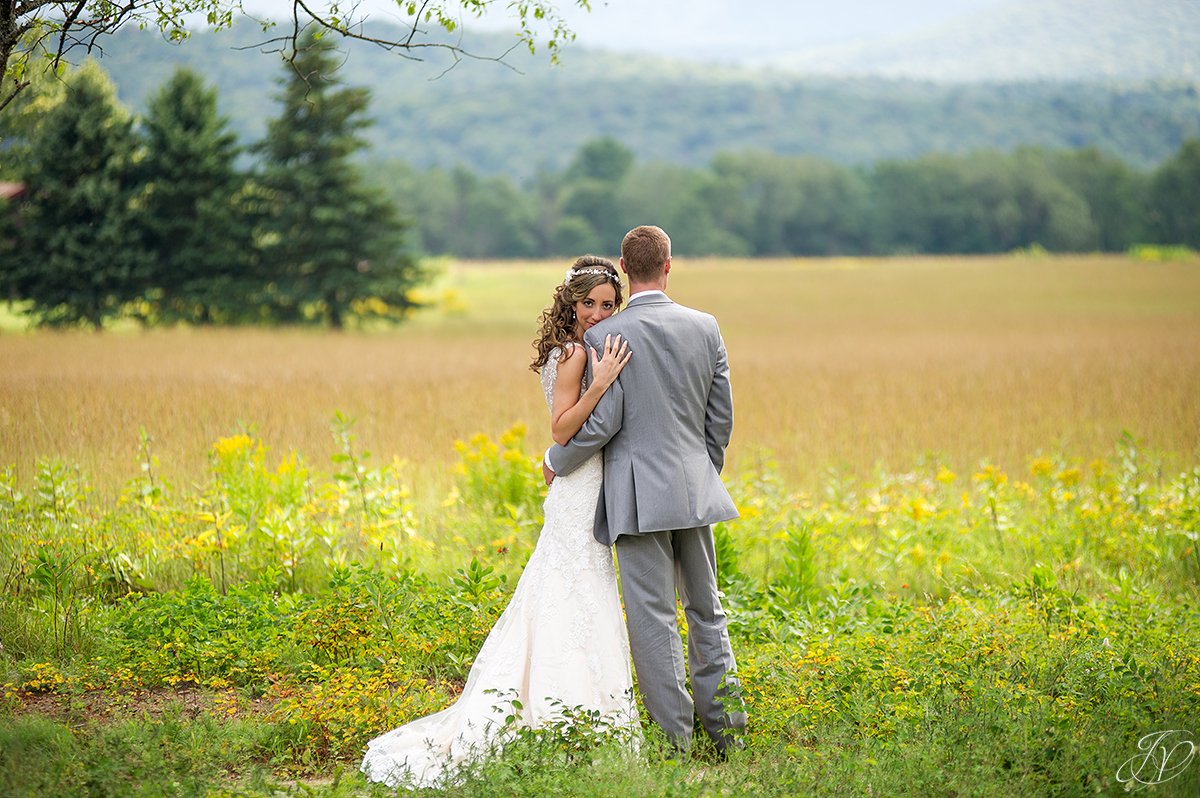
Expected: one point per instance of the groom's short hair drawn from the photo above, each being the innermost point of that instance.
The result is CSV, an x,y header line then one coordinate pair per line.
x,y
645,250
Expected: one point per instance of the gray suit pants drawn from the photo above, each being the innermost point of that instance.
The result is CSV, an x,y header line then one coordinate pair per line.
x,y
653,566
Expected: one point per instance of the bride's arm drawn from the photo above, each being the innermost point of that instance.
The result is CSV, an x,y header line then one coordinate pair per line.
x,y
570,409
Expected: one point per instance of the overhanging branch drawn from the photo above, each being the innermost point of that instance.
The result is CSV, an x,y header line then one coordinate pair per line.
x,y
26,25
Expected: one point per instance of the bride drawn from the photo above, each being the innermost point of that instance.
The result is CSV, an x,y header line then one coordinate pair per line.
x,y
561,643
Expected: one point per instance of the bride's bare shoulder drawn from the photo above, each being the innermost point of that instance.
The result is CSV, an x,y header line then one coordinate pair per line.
x,y
574,360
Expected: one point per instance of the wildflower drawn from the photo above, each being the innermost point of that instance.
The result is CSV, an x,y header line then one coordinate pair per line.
x,y
991,475
513,437
1026,489
514,456
1041,466
1069,476
232,446
921,509
747,511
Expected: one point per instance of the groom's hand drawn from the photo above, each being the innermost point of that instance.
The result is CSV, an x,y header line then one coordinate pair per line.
x,y
547,474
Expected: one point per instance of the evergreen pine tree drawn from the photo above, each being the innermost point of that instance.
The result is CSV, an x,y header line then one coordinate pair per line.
x,y
80,256
196,228
332,244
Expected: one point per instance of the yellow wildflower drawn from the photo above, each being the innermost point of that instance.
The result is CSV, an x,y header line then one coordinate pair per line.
x,y
231,446
990,473
1069,476
1041,466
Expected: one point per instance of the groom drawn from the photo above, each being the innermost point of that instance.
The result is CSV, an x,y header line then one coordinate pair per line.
x,y
664,425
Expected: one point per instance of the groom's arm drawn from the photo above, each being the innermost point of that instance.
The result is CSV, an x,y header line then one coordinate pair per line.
x,y
718,416
598,430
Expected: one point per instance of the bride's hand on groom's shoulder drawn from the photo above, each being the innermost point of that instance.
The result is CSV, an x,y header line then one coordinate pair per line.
x,y
606,366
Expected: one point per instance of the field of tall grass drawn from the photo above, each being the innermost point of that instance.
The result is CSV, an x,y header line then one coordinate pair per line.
x,y
967,562
836,363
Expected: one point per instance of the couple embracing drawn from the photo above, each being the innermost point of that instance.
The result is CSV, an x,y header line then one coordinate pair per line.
x,y
641,412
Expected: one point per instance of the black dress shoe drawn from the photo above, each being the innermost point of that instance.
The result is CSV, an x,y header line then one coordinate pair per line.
x,y
727,745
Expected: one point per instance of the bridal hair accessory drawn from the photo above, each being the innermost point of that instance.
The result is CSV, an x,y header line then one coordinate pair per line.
x,y
571,273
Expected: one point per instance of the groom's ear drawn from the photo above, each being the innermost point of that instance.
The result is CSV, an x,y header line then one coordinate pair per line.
x,y
667,266
623,266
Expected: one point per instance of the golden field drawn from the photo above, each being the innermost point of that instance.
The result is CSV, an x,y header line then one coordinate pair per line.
x,y
836,363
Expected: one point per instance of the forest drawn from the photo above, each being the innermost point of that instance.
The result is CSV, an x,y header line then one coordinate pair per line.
x,y
759,204
169,217
524,115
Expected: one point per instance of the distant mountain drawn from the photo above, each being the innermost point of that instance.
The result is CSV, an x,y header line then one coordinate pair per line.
x,y
701,31
1075,40
496,120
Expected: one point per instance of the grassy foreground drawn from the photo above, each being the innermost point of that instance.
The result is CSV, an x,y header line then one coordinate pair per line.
x,y
924,632
206,611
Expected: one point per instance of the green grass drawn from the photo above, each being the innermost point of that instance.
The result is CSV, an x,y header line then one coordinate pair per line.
x,y
953,574
921,632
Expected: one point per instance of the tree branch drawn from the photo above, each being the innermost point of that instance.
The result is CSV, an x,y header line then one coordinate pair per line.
x,y
17,87
30,6
66,27
417,21
68,23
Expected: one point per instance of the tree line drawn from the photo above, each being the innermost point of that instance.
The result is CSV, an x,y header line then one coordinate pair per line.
x,y
169,218
757,203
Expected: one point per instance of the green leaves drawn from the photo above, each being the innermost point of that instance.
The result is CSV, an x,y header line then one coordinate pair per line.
x,y
332,245
478,586
80,251
1045,662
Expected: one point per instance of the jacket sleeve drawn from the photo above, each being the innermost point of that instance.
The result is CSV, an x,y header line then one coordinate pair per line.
x,y
718,416
598,430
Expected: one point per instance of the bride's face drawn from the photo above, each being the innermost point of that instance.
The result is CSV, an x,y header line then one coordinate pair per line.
x,y
598,305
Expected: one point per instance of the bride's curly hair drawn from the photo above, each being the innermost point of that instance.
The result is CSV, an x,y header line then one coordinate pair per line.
x,y
556,327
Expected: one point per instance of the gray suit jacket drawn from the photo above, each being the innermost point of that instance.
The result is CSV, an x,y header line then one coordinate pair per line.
x,y
663,425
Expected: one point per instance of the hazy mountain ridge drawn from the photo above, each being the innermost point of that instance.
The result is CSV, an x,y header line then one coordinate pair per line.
x,y
495,120
1077,40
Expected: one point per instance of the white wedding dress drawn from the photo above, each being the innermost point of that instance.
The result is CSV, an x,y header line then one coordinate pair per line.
x,y
560,643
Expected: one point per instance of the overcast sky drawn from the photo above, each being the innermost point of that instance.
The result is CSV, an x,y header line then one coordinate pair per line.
x,y
716,29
